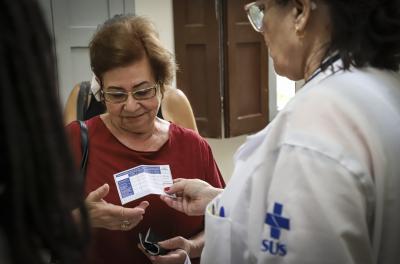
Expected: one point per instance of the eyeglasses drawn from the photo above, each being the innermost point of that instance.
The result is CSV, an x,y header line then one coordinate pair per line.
x,y
255,14
116,97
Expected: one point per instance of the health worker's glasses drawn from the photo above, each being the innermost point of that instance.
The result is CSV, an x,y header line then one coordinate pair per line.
x,y
255,14
116,97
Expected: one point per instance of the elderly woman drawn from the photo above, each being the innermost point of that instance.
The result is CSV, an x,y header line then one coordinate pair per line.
x,y
133,68
321,183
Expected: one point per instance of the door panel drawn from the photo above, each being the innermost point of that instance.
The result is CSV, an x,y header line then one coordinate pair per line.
x,y
197,54
247,84
246,94
75,22
197,77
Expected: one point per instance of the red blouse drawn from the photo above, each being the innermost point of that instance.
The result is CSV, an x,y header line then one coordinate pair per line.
x,y
188,155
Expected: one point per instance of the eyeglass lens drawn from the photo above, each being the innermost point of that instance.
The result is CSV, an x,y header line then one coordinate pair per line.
x,y
256,15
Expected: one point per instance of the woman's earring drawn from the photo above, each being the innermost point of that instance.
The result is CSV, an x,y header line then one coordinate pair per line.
x,y
299,32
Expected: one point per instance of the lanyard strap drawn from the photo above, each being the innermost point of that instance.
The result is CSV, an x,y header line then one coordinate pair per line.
x,y
325,64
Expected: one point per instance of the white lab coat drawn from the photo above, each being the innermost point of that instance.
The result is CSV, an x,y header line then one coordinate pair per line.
x,y
321,183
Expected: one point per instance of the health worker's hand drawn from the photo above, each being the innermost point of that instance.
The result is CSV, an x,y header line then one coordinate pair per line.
x,y
111,216
192,195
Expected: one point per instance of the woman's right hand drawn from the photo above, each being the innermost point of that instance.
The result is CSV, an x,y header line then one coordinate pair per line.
x,y
192,195
111,216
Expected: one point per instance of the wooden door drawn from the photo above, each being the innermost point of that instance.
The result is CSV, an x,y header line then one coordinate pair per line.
x,y
246,89
197,54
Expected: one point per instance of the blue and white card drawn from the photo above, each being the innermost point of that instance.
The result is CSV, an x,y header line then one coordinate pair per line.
x,y
142,180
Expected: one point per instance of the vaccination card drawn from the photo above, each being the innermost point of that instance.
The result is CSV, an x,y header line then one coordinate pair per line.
x,y
142,180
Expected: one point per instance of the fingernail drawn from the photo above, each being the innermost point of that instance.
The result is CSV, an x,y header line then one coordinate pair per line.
x,y
166,189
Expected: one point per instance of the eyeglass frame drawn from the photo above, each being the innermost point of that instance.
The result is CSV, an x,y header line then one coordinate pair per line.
x,y
132,93
260,30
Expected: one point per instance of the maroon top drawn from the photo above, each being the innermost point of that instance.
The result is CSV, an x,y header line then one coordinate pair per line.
x,y
187,154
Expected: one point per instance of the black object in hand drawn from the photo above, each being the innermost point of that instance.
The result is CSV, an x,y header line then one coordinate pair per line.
x,y
149,243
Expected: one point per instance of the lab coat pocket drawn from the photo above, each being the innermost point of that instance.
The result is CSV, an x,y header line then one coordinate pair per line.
x,y
217,247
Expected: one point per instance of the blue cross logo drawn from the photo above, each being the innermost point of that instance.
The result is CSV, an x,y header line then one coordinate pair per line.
x,y
276,221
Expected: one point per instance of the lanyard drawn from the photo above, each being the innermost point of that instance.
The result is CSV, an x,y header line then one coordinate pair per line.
x,y
324,65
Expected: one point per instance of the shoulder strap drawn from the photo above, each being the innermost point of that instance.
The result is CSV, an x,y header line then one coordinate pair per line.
x,y
159,113
84,146
82,101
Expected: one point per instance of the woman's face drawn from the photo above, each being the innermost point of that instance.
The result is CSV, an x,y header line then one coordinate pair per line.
x,y
137,116
281,39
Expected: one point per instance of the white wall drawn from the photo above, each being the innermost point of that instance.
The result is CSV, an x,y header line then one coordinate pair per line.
x,y
160,13
223,151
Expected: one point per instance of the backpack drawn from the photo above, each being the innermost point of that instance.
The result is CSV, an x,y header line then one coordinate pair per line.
x,y
87,106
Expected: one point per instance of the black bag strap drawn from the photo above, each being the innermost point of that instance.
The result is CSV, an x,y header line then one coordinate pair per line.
x,y
82,100
84,146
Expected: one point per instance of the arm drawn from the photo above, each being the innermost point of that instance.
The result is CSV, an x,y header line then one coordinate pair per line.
x,y
176,108
70,106
193,195
110,216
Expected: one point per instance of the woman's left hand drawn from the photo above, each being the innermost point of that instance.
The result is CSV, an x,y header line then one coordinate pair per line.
x,y
110,216
180,249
